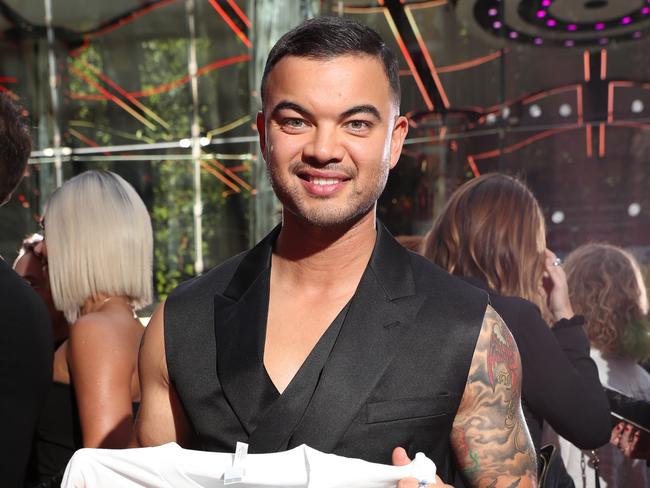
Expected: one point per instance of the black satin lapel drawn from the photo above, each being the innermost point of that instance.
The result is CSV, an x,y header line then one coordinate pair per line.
x,y
240,316
369,339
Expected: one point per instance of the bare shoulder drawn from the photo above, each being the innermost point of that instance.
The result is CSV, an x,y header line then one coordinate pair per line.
x,y
101,329
489,436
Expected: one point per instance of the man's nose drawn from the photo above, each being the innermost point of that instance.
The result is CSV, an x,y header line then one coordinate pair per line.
x,y
325,146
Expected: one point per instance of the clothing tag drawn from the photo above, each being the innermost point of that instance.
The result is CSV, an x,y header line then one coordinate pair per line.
x,y
236,473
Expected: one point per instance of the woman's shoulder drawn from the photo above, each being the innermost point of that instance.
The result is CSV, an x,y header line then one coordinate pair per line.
x,y
105,328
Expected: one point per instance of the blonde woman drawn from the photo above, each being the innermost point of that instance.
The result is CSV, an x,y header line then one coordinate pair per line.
x,y
492,234
98,245
607,288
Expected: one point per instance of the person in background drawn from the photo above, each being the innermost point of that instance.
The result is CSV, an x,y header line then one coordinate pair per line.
x,y
31,265
492,234
606,286
25,329
98,244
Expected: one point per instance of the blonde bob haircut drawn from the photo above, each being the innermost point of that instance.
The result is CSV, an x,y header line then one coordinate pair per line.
x,y
492,228
99,242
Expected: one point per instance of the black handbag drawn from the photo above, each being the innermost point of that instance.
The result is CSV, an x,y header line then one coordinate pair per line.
x,y
551,472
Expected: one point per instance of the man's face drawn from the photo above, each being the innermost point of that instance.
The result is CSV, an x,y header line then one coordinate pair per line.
x,y
330,133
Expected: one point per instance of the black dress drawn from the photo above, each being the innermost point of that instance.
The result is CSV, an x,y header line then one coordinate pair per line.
x,y
58,436
560,382
26,347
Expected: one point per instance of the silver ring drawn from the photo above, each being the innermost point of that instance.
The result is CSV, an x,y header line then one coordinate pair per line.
x,y
557,262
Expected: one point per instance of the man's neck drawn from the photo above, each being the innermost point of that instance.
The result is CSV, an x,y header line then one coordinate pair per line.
x,y
315,258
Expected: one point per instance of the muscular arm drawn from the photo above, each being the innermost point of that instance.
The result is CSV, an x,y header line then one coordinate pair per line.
x,y
489,435
161,418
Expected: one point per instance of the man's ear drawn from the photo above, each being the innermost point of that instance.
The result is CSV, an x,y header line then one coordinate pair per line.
x,y
400,129
261,131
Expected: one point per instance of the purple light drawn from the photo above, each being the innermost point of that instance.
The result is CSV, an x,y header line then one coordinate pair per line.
x,y
541,14
551,23
569,43
572,27
645,10
547,3
538,41
497,24
599,26
513,35
492,12
603,41
626,20
637,35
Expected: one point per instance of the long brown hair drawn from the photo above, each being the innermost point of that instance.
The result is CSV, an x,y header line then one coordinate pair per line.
x,y
605,286
492,228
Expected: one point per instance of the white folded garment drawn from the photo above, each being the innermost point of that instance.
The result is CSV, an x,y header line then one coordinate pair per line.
x,y
172,466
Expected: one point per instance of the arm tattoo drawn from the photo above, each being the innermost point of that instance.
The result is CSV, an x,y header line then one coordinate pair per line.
x,y
490,438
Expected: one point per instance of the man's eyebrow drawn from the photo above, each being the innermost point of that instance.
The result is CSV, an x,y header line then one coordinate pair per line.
x,y
362,109
284,105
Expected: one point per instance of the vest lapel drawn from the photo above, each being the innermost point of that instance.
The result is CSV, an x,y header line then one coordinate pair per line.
x,y
240,316
380,314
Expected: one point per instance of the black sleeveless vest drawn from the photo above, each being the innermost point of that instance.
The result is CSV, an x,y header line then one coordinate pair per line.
x,y
390,373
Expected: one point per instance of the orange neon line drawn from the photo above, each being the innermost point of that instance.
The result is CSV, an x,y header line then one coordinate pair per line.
x,y
579,103
443,132
629,123
232,175
219,176
85,96
427,57
125,94
240,13
112,97
472,165
230,23
130,18
520,144
86,140
409,60
586,63
603,64
548,93
590,151
601,141
469,64
181,81
610,102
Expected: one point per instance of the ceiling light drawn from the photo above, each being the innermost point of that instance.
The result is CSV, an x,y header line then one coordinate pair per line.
x,y
634,209
557,217
534,111
565,110
637,106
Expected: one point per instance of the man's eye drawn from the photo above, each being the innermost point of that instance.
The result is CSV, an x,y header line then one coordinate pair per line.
x,y
358,125
293,123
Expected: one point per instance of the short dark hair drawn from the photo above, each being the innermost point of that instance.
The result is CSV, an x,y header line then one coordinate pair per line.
x,y
325,38
15,146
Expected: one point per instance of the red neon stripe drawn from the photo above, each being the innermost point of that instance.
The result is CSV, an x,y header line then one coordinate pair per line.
x,y
589,142
240,13
131,18
601,141
205,69
472,165
469,64
520,144
222,178
587,69
87,140
603,64
230,23
232,175
8,79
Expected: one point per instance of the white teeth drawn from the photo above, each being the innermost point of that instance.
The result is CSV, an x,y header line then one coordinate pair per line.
x,y
324,181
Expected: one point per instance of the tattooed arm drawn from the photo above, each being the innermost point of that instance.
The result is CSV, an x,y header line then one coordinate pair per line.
x,y
489,437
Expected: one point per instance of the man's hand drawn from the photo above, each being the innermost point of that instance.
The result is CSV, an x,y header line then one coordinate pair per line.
x,y
400,458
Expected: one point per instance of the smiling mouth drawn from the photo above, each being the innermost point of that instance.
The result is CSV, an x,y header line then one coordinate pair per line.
x,y
322,181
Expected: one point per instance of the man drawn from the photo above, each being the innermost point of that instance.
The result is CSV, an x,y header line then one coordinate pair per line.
x,y
26,346
328,332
